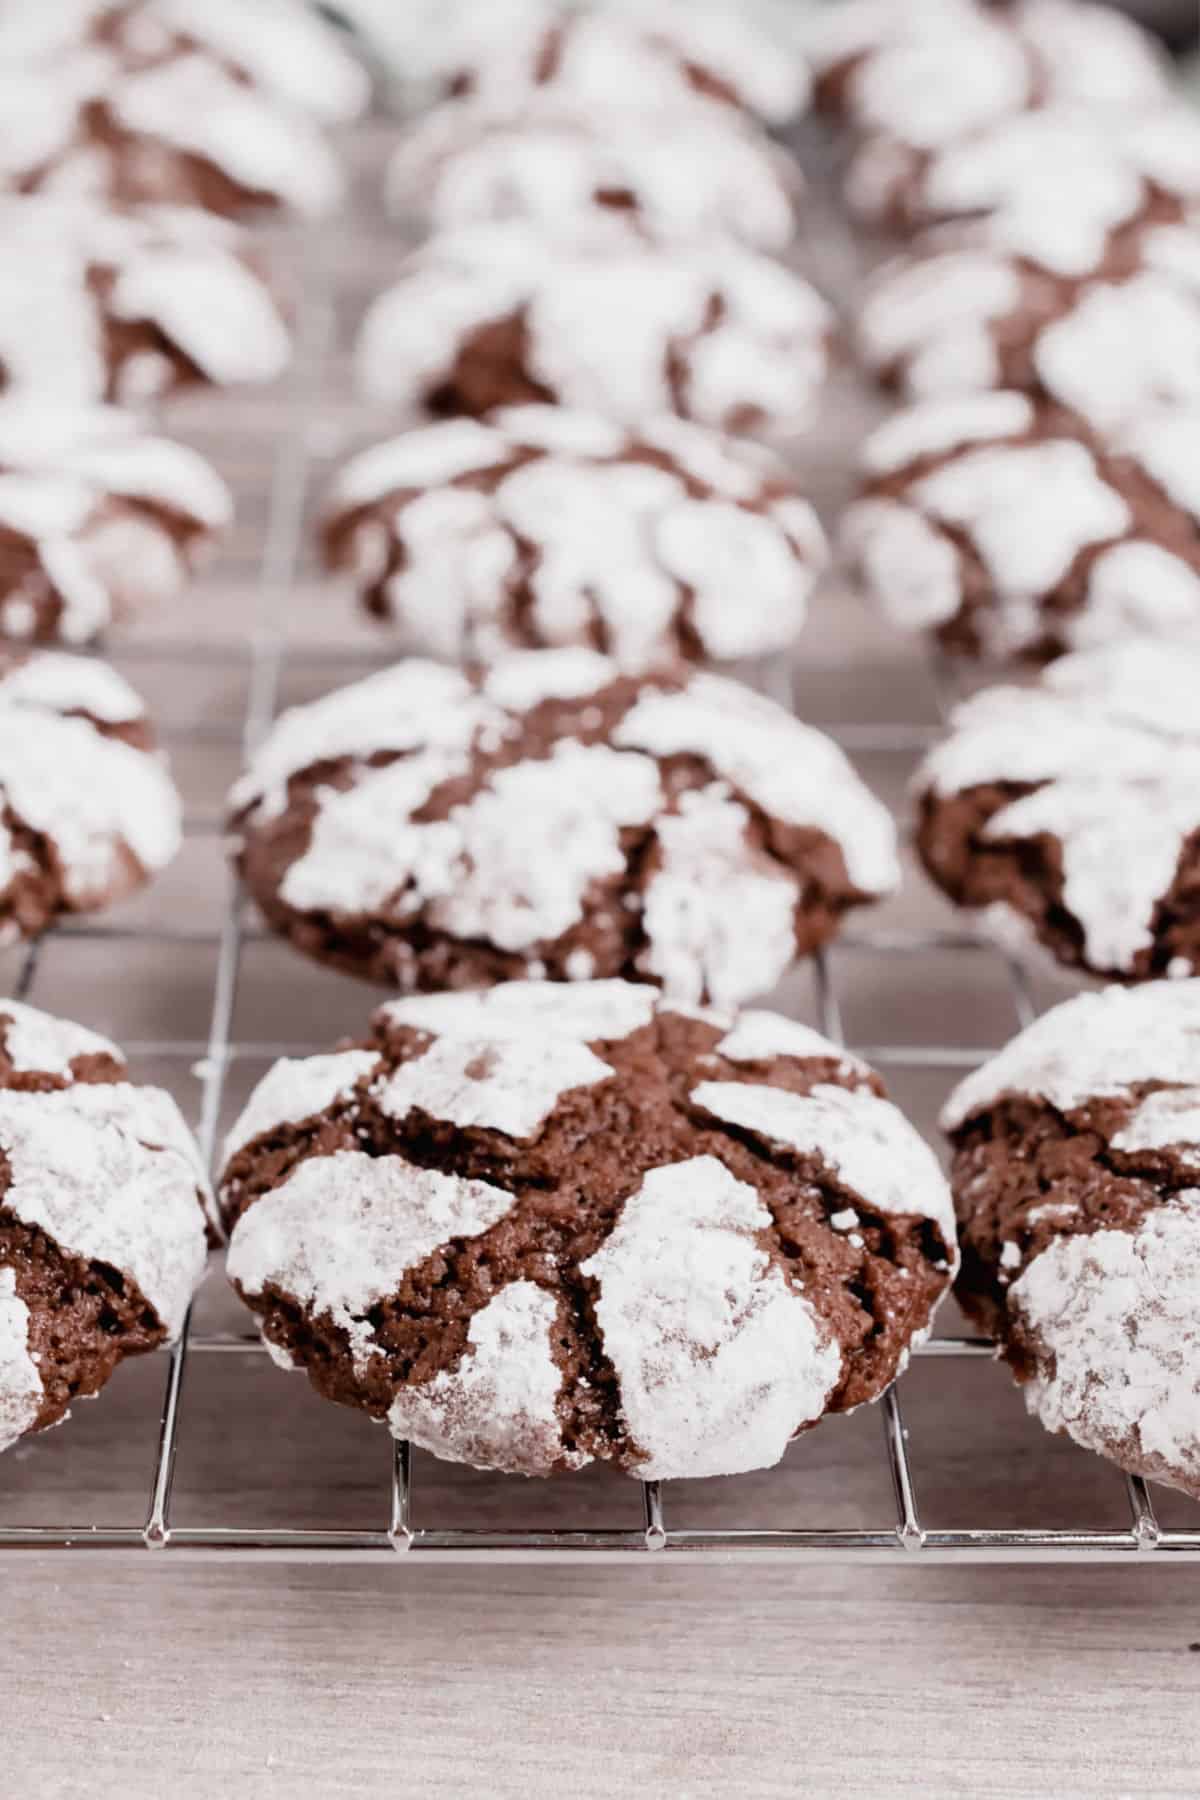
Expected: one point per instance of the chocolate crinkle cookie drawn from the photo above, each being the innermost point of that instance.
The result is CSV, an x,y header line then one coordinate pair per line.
x,y
98,519
689,172
1069,813
1102,318
498,315
433,829
649,54
546,527
924,73
1077,1184
104,1215
1073,171
278,47
1006,529
168,123
535,1227
88,811
129,305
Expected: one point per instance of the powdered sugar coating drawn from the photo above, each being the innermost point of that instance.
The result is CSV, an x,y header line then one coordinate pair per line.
x,y
585,1013
341,1232
106,517
1112,1315
511,1084
183,272
97,800
296,1089
20,1381
650,56
178,125
34,1041
279,45
1111,740
1167,1119
1092,1047
865,1143
1105,345
720,1361
984,532
929,71
757,1036
687,174
111,1174
524,853
666,538
496,1409
803,780
713,332
1055,180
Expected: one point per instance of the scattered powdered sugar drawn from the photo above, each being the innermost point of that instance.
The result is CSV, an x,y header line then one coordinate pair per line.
x,y
523,679
652,59
109,511
792,772
294,1090
414,705
1168,1119
910,569
1165,440
603,325
178,268
342,1231
1112,738
496,1408
589,1013
111,1173
1095,1046
684,174
719,917
620,540
95,798
53,682
20,1383
513,865
759,1036
1122,347
866,1143
934,427
509,1084
36,1041
1112,1319
719,1360
281,47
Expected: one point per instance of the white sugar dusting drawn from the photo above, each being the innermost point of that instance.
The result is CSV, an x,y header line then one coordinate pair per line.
x,y
688,174
590,1012
621,541
95,798
295,1090
36,1041
495,1409
111,1173
1112,1317
794,773
1095,1046
866,1143
719,916
21,1392
1167,1119
507,1084
720,1362
759,1036
1112,740
342,1231
601,323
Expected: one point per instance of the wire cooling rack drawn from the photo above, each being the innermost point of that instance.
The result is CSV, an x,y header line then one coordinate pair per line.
x,y
414,1508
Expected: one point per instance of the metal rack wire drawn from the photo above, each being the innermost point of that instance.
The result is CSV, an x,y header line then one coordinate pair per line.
x,y
405,1533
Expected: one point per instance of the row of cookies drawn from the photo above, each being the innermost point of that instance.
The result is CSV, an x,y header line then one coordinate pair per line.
x,y
439,1223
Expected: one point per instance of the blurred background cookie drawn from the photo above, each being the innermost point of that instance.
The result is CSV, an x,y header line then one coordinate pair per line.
x,y
547,527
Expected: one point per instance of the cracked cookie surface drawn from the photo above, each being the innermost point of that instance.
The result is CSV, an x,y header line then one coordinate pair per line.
x,y
537,1226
